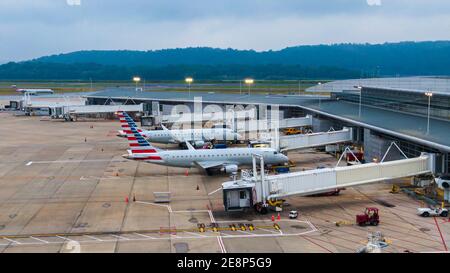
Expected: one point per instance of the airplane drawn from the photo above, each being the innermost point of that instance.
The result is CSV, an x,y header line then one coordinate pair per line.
x,y
197,137
208,160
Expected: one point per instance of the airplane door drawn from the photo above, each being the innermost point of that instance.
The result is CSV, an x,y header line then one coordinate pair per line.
x,y
244,199
233,199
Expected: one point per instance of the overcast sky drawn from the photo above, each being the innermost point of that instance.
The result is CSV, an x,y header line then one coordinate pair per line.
x,y
33,28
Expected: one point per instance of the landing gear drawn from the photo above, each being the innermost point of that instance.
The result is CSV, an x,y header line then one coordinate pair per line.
x,y
261,209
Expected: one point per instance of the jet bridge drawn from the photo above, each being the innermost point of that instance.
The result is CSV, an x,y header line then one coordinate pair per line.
x,y
259,190
295,142
94,109
270,124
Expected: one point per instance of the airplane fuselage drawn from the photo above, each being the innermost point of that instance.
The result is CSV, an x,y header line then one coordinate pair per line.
x,y
231,156
204,134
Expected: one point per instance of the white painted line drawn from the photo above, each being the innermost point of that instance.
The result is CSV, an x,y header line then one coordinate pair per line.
x,y
74,161
64,238
245,232
159,205
211,217
215,191
191,211
219,238
83,178
119,237
94,238
196,234
174,237
12,241
268,230
145,236
29,163
40,240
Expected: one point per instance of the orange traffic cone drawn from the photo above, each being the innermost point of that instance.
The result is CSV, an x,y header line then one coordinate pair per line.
x,y
273,218
126,199
278,217
186,173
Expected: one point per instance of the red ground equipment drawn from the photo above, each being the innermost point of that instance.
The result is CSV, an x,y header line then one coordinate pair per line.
x,y
370,217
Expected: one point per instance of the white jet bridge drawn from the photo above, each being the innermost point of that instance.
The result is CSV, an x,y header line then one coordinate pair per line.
x,y
270,124
259,190
295,142
241,121
94,109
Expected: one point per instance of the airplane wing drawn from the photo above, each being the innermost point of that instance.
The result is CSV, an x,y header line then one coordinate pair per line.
x,y
189,145
209,164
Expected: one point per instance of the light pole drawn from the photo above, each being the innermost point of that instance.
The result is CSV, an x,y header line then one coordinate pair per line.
x,y
360,94
319,95
189,80
249,83
429,95
136,80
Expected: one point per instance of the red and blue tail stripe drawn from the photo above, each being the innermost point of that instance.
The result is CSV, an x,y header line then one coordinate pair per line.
x,y
139,146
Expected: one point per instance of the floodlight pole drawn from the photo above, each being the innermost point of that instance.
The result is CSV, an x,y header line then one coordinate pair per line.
x,y
429,95
428,119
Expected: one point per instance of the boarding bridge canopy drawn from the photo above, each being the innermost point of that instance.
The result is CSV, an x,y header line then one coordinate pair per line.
x,y
92,109
322,180
271,124
206,116
294,142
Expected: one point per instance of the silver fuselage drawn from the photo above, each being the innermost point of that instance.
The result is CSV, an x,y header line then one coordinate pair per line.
x,y
204,134
230,156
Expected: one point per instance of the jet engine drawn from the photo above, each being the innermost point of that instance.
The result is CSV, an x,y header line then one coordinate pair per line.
x,y
198,143
230,168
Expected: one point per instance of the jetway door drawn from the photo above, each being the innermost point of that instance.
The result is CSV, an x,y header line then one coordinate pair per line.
x,y
244,199
233,199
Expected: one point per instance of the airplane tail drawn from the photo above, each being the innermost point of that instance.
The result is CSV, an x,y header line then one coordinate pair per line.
x,y
131,123
139,146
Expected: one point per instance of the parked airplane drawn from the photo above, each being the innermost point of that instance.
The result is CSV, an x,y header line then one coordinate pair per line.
x,y
226,160
197,137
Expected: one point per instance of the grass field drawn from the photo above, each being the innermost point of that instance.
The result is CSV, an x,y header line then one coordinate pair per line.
x,y
264,87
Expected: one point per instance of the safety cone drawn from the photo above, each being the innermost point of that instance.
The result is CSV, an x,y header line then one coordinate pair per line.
x,y
278,217
186,173
126,199
273,218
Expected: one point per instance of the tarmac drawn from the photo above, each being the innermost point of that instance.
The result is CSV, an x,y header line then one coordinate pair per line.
x,y
64,187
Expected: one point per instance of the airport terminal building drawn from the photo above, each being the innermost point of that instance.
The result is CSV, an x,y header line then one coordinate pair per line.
x,y
416,117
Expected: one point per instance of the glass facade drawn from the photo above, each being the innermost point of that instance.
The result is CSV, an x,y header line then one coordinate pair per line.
x,y
413,150
402,101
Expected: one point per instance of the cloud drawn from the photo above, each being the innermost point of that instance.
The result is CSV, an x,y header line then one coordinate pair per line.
x,y
374,2
30,28
73,2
